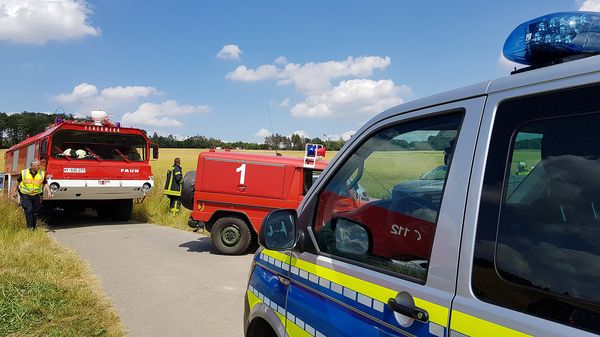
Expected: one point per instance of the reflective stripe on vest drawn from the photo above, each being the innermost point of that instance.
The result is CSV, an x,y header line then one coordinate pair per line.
x,y
169,185
31,185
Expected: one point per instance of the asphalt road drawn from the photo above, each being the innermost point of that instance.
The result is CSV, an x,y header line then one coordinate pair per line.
x,y
162,281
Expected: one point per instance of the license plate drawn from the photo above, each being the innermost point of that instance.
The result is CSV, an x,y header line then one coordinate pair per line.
x,y
74,170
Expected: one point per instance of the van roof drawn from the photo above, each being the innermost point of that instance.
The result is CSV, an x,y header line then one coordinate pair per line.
x,y
263,158
565,70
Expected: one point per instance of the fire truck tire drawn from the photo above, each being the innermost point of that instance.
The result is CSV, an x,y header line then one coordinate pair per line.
x,y
187,190
123,210
231,236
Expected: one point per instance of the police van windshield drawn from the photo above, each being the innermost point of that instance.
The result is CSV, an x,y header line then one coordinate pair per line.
x,y
80,145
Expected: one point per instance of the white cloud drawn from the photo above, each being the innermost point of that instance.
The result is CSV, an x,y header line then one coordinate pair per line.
x,y
285,103
39,21
130,92
80,92
263,133
161,115
311,78
230,52
359,97
281,60
244,74
347,135
344,136
86,96
300,133
590,5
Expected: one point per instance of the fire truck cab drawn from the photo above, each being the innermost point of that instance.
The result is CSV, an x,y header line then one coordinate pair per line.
x,y
230,193
96,164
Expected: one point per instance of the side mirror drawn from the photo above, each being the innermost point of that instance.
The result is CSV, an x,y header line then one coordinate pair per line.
x,y
350,237
278,230
154,150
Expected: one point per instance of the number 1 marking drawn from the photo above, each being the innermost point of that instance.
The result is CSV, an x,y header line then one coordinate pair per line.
x,y
242,170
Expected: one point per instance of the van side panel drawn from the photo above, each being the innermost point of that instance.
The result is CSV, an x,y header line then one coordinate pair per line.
x,y
243,177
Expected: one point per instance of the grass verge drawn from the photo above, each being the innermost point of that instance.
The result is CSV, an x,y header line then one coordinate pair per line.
x,y
155,209
45,289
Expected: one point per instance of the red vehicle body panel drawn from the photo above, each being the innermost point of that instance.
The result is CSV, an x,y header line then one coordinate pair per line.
x,y
266,183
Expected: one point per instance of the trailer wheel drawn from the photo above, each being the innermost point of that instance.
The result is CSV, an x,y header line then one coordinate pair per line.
x,y
187,190
231,236
123,210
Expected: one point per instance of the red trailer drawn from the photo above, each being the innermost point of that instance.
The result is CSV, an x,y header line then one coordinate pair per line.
x,y
96,164
230,193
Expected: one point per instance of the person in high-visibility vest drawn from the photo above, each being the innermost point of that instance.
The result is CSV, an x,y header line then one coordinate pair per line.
x,y
173,186
32,183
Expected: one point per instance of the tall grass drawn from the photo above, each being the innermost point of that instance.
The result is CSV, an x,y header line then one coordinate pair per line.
x,y
45,289
155,209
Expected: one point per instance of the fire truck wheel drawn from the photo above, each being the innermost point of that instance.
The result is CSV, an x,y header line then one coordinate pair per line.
x,y
231,236
123,211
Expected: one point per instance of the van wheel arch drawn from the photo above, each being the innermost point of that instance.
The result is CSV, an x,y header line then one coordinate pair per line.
x,y
222,214
259,327
231,234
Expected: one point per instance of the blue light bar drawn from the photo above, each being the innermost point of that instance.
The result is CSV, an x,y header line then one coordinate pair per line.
x,y
554,38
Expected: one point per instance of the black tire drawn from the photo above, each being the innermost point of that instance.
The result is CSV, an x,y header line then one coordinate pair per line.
x,y
187,190
231,236
123,210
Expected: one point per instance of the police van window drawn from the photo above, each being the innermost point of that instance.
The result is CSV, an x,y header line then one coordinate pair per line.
x,y
380,208
525,157
79,145
538,237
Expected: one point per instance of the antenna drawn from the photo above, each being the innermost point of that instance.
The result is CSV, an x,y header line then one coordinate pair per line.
x,y
271,125
60,108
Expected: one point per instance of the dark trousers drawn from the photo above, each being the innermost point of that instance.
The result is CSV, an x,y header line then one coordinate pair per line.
x,y
174,202
31,205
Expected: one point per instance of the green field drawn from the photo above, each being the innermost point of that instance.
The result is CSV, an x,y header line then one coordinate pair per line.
x,y
45,289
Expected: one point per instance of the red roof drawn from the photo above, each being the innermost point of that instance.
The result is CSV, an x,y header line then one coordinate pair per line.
x,y
263,158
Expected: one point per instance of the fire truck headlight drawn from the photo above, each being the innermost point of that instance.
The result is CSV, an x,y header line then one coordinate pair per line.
x,y
54,187
146,187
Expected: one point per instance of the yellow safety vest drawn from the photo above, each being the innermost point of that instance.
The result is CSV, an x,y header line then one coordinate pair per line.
x,y
32,185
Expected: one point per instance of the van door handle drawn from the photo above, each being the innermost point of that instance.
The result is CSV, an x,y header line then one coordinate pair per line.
x,y
413,312
242,188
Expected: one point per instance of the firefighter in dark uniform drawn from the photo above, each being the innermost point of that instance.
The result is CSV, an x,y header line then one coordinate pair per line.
x,y
32,183
173,186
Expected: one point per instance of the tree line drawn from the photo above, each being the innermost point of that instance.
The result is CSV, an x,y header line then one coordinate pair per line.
x,y
16,127
273,142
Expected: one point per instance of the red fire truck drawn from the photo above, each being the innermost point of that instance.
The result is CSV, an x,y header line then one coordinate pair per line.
x,y
230,193
96,164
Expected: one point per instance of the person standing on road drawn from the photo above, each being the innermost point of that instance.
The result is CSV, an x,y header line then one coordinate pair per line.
x,y
173,186
32,183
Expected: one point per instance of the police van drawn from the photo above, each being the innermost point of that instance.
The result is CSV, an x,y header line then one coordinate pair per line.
x,y
481,246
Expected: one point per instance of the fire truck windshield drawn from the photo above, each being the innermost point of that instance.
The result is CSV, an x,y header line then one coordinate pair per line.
x,y
80,145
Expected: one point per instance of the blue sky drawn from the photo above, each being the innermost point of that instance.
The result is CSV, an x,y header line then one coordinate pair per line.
x,y
320,67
